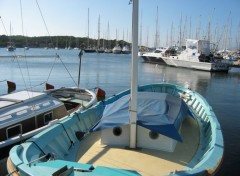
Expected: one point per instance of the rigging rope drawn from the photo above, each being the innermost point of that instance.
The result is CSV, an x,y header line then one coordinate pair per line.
x,y
67,70
3,26
57,56
51,70
25,50
44,21
14,53
15,56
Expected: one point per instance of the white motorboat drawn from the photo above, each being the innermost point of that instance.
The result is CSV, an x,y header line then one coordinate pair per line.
x,y
196,56
126,50
155,56
117,50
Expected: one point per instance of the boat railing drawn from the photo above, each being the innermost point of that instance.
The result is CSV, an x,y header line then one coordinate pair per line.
x,y
211,140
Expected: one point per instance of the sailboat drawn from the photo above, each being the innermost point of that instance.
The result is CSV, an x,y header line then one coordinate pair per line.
x,y
56,47
10,46
99,49
155,129
116,49
89,49
107,49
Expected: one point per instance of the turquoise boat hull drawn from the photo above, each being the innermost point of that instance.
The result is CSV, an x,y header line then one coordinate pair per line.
x,y
53,150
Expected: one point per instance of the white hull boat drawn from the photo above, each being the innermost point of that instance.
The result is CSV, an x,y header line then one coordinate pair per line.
x,y
117,50
196,56
26,113
126,50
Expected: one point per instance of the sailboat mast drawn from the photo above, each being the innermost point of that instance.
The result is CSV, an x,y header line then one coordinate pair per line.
x,y
141,30
98,44
88,29
134,76
180,33
147,37
156,37
116,36
108,44
190,28
10,34
171,37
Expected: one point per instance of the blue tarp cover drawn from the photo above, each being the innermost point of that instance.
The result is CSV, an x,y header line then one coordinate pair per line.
x,y
158,112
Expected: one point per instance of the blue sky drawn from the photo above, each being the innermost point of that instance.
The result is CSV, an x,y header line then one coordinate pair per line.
x,y
69,17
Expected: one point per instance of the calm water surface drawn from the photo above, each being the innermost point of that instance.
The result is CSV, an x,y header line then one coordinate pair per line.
x,y
112,73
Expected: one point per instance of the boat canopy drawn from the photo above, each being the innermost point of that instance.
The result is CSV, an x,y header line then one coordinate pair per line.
x,y
158,112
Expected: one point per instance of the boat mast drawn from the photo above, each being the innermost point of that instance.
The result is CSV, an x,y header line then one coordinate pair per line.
x,y
141,30
98,44
171,36
156,37
116,36
134,76
190,28
167,39
198,32
88,29
180,33
108,43
147,37
10,34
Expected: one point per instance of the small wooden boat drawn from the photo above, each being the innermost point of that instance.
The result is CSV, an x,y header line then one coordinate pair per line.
x,y
26,113
177,134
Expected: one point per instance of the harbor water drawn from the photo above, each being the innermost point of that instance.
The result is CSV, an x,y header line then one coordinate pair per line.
x,y
30,69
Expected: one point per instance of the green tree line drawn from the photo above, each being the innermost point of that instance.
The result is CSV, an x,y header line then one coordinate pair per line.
x,y
57,41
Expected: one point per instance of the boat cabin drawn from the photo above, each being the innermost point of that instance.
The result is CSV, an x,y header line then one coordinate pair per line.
x,y
25,111
202,46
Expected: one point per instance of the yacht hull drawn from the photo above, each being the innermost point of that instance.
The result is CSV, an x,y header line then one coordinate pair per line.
x,y
204,66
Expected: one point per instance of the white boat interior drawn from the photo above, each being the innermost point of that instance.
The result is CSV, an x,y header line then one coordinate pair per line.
x,y
73,98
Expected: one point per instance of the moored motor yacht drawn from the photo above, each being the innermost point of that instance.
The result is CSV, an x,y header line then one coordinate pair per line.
x,y
196,56
117,50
